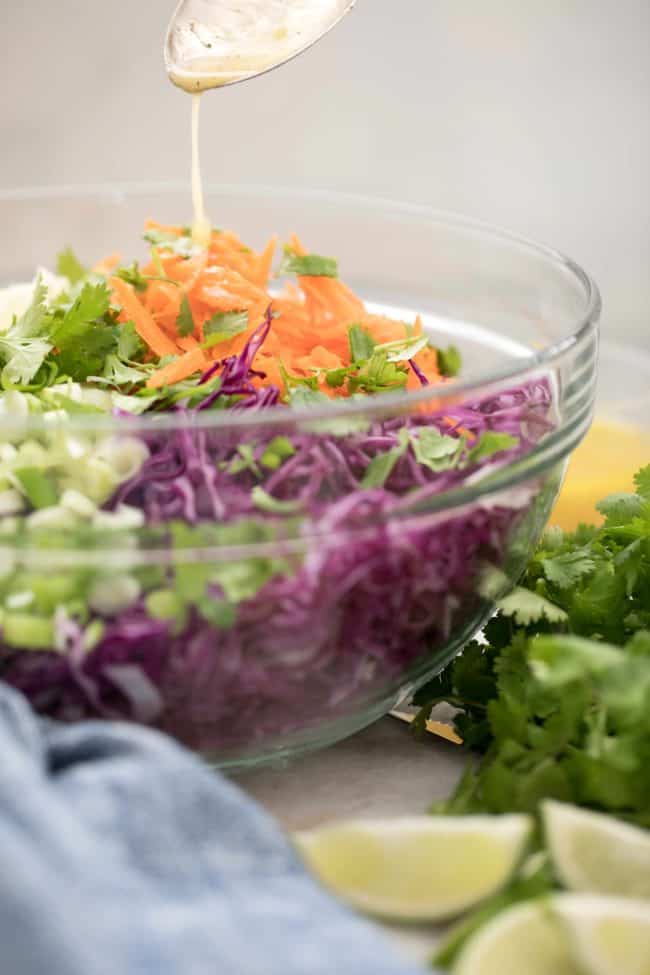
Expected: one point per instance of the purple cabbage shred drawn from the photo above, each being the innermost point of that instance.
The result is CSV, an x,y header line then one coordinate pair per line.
x,y
384,587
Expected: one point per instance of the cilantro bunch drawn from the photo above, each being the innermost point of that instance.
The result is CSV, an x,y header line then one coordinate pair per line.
x,y
75,337
556,696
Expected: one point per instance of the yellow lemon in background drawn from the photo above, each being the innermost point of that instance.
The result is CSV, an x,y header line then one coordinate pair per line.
x,y
604,463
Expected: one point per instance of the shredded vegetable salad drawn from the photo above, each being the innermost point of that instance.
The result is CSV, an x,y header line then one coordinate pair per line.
x,y
150,328
328,573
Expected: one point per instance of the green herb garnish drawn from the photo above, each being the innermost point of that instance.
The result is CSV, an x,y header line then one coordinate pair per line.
x,y
361,342
22,348
83,337
309,265
223,326
185,319
382,466
449,361
436,450
167,241
490,443
69,266
557,696
133,276
129,344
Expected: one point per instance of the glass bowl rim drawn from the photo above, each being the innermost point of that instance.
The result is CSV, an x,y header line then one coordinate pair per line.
x,y
442,393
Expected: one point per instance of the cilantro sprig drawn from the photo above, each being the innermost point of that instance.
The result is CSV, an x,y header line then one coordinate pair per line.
x,y
86,334
69,266
223,326
449,361
25,345
308,265
181,244
556,696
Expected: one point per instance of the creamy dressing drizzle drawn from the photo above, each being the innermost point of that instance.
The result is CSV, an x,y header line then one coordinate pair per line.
x,y
243,40
201,226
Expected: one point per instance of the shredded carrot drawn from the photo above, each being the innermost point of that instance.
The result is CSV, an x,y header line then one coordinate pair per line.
x,y
182,367
134,310
309,335
108,264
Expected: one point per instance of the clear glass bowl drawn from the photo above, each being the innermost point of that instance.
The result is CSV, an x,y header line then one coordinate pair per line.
x,y
253,635
618,443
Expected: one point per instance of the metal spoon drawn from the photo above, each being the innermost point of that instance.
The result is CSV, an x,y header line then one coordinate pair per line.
x,y
211,43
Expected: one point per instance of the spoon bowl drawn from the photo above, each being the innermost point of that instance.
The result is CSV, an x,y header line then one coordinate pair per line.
x,y
212,43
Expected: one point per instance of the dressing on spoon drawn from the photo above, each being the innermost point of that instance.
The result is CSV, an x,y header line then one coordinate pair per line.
x,y
212,43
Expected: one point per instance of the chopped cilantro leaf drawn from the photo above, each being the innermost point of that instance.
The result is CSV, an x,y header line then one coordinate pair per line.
x,y
129,344
378,375
185,320
22,359
382,466
91,305
83,338
69,266
132,275
86,356
223,326
335,378
527,607
435,450
620,508
120,373
220,613
490,443
642,483
566,569
309,265
31,322
449,361
181,245
361,342
295,383
403,349
23,350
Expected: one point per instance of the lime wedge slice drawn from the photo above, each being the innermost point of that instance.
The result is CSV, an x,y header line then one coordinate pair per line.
x,y
569,934
420,868
609,935
595,853
527,939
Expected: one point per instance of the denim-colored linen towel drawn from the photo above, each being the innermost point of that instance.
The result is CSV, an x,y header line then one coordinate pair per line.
x,y
122,854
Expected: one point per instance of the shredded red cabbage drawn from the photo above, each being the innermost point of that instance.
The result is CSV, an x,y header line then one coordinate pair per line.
x,y
378,592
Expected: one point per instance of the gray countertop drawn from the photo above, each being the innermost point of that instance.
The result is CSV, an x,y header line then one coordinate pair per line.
x,y
382,771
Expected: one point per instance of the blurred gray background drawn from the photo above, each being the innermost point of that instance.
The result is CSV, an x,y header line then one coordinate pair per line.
x,y
534,114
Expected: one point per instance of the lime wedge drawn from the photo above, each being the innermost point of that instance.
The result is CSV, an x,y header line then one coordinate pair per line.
x,y
419,868
609,935
596,853
569,934
527,939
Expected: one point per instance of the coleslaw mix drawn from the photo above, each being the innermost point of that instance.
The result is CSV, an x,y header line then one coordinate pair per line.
x,y
225,582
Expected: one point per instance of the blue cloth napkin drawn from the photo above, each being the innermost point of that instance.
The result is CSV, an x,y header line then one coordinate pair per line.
x,y
122,854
